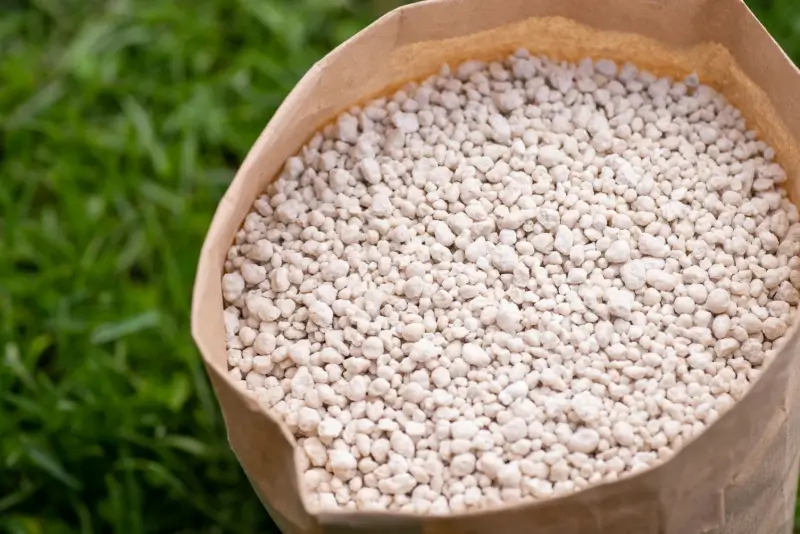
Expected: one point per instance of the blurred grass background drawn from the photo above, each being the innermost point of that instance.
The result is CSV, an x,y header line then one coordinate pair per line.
x,y
121,123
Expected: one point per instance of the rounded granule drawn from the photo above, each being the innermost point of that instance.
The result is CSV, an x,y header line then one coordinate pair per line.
x,y
512,281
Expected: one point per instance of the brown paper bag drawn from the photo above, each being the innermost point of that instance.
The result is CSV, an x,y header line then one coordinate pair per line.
x,y
740,476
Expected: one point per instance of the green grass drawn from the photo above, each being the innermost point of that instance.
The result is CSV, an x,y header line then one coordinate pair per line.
x,y
121,123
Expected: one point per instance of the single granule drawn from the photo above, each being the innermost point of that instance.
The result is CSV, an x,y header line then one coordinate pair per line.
x,y
512,281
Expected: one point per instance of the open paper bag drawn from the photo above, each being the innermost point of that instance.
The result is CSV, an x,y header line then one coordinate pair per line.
x,y
740,476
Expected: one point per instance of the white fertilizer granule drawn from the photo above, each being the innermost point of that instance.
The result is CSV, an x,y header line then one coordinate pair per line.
x,y
512,281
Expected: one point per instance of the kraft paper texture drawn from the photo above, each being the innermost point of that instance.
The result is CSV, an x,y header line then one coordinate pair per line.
x,y
740,476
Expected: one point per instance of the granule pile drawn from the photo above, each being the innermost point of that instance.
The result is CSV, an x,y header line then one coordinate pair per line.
x,y
511,281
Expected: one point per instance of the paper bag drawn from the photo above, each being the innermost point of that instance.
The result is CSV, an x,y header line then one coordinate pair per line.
x,y
740,476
